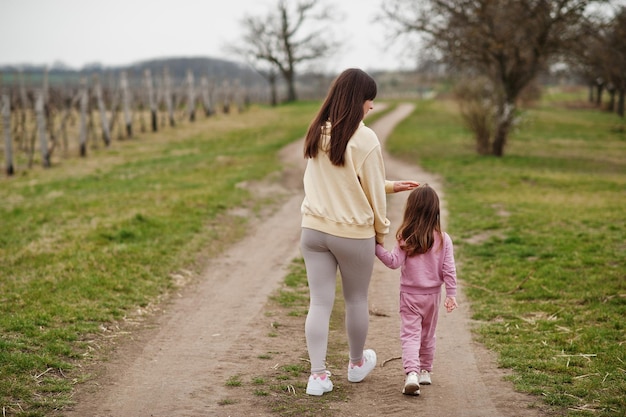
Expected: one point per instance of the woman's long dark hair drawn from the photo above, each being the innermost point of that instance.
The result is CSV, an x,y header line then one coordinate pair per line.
x,y
343,108
421,221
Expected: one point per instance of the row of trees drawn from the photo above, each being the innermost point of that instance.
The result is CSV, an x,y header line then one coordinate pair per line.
x,y
506,44
47,114
600,57
502,45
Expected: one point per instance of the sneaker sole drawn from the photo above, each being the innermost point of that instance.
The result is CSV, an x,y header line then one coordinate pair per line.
x,y
317,393
355,379
411,390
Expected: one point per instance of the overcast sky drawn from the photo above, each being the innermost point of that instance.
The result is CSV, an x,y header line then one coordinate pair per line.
x,y
118,32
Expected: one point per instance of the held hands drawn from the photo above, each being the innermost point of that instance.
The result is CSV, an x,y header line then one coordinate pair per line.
x,y
404,185
450,304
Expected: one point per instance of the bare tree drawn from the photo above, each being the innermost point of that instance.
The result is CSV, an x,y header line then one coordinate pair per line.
x,y
506,41
290,35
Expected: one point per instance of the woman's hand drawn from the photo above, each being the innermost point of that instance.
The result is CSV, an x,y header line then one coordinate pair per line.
x,y
404,186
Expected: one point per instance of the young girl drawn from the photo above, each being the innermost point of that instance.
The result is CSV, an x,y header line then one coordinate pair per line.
x,y
426,256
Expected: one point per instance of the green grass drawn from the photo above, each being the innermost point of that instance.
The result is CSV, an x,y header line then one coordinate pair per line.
x,y
87,243
540,241
234,381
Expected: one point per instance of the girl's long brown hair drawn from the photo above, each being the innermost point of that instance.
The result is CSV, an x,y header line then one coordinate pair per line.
x,y
343,108
421,221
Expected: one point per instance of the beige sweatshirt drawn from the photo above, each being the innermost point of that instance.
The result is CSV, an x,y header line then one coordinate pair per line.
x,y
348,201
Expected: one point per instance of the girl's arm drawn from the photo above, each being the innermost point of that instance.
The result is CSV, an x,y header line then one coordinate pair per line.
x,y
449,267
393,259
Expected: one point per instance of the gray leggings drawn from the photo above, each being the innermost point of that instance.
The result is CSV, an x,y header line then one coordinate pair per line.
x,y
323,253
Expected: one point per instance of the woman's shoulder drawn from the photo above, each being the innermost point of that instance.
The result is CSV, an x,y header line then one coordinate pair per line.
x,y
365,135
365,130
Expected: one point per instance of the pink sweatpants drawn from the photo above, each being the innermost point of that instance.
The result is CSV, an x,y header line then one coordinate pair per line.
x,y
419,314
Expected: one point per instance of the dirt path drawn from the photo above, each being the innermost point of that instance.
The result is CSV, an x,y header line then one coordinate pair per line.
x,y
176,365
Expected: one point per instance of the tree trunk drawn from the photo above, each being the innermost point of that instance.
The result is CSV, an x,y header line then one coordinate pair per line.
x,y
41,126
8,144
611,105
291,89
503,125
620,102
599,87
272,78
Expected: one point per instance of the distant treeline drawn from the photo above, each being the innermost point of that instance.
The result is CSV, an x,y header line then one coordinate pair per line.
x,y
216,69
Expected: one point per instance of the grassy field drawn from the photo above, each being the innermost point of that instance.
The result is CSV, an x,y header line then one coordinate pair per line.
x,y
91,244
540,238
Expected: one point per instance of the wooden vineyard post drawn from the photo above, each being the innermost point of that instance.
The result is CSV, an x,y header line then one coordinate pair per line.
x,y
67,114
24,106
106,134
6,122
226,96
115,98
126,104
41,126
206,96
45,86
151,100
82,135
239,96
191,99
167,93
158,96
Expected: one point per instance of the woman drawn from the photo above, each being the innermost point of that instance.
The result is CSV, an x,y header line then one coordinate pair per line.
x,y
344,214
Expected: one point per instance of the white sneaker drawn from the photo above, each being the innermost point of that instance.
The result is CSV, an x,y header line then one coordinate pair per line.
x,y
425,377
318,386
358,373
411,385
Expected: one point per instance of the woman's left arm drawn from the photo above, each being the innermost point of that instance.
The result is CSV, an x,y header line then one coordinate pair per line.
x,y
398,186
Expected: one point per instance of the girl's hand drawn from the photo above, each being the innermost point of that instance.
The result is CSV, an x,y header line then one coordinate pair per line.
x,y
450,304
404,185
